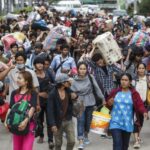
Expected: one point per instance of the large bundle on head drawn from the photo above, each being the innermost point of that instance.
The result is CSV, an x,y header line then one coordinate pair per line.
x,y
139,38
16,37
59,32
107,47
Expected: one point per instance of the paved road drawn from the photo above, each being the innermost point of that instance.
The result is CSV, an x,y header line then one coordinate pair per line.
x,y
96,142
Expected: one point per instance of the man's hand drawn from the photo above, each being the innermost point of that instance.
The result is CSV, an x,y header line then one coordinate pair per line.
x,y
38,108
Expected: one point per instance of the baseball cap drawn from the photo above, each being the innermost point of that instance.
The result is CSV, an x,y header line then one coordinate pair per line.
x,y
62,78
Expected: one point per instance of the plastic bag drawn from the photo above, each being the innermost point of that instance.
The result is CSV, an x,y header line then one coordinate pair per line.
x,y
7,40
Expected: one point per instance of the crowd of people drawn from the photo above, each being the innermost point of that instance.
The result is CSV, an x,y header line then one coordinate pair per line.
x,y
52,80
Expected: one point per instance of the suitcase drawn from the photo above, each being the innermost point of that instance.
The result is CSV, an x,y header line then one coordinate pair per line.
x,y
107,47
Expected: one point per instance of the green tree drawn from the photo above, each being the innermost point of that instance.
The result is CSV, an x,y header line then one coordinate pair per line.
x,y
144,7
51,1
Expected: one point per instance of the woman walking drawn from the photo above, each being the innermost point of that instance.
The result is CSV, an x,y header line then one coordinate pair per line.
x,y
125,101
83,87
25,92
141,85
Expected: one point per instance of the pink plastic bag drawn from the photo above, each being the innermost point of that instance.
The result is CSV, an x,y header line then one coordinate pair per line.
x,y
7,40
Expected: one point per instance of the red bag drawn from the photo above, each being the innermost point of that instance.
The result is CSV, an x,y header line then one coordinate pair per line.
x,y
3,111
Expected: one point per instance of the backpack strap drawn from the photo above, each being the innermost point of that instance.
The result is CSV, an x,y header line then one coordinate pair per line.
x,y
60,65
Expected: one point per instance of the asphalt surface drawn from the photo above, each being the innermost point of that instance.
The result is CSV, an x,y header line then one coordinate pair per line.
x,y
97,143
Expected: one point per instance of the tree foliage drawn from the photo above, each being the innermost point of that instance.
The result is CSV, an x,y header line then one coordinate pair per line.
x,y
144,7
52,1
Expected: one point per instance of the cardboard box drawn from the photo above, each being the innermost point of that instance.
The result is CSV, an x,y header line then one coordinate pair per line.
x,y
107,46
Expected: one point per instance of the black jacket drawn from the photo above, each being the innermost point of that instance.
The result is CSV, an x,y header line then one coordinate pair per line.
x,y
54,108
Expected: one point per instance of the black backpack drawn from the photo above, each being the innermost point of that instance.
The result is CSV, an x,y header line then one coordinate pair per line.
x,y
17,114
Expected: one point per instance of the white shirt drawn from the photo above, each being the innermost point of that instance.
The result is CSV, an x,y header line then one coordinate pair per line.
x,y
141,87
12,76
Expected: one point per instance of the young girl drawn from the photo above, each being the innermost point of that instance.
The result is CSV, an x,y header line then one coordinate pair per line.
x,y
125,101
141,85
25,92
83,88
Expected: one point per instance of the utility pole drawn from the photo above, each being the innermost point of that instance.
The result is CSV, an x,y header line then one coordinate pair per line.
x,y
22,3
30,2
118,4
7,6
135,6
0,7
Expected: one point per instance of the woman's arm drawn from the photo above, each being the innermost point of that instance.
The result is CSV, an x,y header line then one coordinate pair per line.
x,y
30,114
138,103
24,123
126,63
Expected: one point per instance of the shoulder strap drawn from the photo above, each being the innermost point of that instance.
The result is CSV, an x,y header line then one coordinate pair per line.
x,y
22,97
61,63
91,80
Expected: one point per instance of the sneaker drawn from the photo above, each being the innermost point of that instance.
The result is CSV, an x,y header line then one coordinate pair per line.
x,y
103,136
136,145
140,141
40,140
86,141
51,145
81,146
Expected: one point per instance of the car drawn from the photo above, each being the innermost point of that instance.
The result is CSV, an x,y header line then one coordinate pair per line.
x,y
90,9
119,12
67,5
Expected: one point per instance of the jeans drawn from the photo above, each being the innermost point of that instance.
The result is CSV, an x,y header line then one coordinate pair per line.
x,y
41,116
84,122
68,128
121,139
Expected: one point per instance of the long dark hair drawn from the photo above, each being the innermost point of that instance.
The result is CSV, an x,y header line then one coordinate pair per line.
x,y
141,64
126,74
27,77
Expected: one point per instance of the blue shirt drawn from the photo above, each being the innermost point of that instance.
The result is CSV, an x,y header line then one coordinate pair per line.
x,y
122,112
68,64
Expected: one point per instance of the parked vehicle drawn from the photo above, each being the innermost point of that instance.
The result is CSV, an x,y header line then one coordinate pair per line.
x,y
67,5
119,12
90,9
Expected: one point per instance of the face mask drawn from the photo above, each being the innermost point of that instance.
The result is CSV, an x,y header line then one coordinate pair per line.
x,y
20,66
